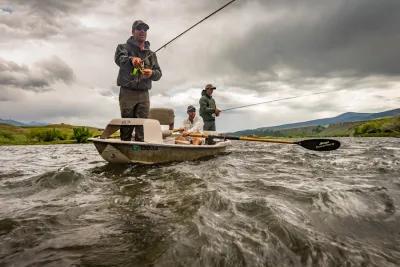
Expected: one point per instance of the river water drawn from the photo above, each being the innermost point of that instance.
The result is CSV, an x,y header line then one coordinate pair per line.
x,y
258,205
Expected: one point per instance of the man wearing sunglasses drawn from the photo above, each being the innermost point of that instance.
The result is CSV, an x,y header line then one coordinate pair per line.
x,y
138,67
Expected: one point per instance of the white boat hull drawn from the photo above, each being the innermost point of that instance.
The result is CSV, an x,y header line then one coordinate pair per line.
x,y
117,151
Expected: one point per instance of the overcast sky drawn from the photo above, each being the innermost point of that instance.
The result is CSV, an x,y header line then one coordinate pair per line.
x,y
57,58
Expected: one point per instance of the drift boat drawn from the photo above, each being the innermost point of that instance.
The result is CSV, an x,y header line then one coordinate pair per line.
x,y
157,147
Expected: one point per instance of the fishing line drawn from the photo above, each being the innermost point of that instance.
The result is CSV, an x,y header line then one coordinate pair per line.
x,y
280,99
191,27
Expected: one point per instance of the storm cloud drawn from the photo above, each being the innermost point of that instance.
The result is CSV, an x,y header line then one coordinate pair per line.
x,y
39,18
36,78
321,38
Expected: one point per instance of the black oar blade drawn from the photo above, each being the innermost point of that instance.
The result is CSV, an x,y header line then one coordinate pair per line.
x,y
319,144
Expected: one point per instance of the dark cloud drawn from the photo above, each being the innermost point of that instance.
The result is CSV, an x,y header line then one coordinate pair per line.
x,y
36,78
11,66
56,70
40,18
322,38
52,8
22,77
6,9
302,43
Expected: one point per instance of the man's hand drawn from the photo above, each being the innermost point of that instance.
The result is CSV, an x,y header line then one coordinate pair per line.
x,y
136,61
147,73
217,111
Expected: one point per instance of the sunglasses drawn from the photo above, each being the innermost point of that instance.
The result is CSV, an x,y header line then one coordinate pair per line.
x,y
141,28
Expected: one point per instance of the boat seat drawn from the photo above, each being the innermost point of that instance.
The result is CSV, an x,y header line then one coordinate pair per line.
x,y
165,116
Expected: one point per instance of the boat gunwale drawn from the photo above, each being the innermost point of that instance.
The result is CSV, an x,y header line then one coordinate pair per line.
x,y
118,141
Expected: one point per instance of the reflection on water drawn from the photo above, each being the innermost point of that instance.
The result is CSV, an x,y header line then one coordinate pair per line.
x,y
260,205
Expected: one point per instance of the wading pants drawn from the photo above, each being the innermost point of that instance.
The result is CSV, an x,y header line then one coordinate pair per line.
x,y
209,126
133,104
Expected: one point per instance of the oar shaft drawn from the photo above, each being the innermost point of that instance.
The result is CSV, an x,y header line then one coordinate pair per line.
x,y
265,140
312,144
242,138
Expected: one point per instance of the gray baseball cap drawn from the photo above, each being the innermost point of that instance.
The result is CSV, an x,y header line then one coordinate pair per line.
x,y
191,108
139,22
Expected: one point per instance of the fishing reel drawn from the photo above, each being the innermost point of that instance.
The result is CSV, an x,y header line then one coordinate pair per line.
x,y
137,70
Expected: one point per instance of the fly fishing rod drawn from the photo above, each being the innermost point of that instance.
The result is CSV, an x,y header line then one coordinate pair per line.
x,y
194,25
191,27
279,99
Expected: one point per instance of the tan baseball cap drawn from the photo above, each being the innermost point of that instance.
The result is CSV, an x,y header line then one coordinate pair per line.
x,y
210,86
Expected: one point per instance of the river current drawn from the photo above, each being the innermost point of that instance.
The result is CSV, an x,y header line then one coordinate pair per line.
x,y
257,205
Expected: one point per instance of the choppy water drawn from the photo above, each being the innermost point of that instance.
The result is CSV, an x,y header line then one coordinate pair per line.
x,y
259,205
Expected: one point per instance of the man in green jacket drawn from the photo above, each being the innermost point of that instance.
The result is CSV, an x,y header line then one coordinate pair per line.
x,y
208,109
138,67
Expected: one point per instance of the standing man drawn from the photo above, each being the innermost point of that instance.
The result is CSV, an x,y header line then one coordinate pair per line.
x,y
208,109
138,67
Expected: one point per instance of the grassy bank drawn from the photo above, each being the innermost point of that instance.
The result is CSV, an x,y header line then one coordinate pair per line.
x,y
385,127
51,134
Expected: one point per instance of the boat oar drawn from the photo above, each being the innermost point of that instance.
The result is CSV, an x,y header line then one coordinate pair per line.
x,y
312,144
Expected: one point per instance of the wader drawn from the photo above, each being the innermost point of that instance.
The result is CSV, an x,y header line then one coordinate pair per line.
x,y
133,104
209,126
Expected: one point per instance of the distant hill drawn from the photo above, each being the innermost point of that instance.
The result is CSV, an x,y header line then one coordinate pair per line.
x,y
18,123
342,118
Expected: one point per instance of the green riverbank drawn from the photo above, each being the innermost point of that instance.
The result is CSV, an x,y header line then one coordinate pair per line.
x,y
43,135
384,127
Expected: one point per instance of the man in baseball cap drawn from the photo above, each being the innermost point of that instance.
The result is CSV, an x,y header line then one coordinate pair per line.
x,y
208,108
192,124
210,86
138,68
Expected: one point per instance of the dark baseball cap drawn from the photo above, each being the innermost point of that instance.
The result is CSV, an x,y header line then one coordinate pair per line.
x,y
191,108
210,86
139,22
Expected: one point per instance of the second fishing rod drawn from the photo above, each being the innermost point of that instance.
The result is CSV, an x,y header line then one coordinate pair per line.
x,y
279,99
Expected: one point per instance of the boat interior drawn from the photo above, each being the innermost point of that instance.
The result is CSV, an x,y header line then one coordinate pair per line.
x,y
158,128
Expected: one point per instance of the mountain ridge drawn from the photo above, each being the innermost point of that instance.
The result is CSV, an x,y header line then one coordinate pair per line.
x,y
18,123
341,118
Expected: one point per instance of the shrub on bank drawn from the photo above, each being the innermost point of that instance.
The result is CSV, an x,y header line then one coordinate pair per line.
x,y
6,135
81,134
383,127
46,135
392,126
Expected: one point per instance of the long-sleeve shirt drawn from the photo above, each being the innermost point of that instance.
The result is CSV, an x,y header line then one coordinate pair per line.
x,y
195,126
